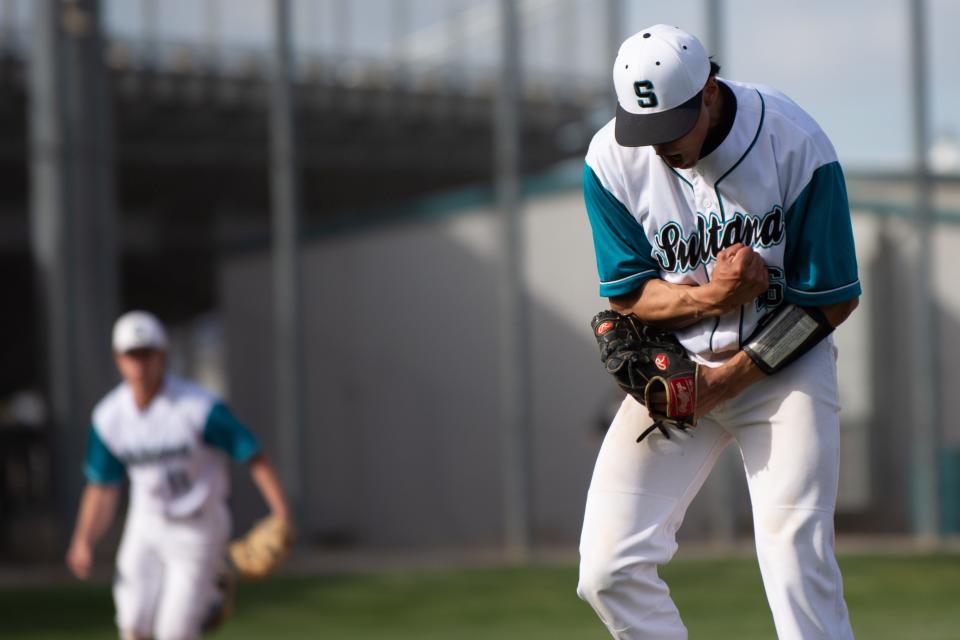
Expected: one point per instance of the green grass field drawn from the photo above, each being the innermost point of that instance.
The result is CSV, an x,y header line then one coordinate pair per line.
x,y
890,598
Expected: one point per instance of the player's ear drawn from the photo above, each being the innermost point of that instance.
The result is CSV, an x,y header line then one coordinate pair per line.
x,y
710,91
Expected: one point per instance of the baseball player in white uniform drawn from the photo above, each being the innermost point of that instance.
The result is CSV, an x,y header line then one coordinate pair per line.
x,y
174,440
714,205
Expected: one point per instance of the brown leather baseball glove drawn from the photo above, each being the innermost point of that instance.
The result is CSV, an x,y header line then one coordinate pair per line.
x,y
258,554
646,360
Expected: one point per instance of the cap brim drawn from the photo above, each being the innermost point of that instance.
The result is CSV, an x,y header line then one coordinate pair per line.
x,y
127,348
641,130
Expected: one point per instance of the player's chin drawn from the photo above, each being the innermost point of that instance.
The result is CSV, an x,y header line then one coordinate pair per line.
x,y
679,162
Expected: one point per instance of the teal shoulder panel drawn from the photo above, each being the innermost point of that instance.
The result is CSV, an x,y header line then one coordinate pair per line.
x,y
624,255
820,257
223,431
101,466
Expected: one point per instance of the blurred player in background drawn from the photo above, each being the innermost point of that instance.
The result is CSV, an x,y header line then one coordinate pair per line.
x,y
174,440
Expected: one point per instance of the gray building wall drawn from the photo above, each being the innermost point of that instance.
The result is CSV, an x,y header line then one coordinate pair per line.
x,y
402,442
402,407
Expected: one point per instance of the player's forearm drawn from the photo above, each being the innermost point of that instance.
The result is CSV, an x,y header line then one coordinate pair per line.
x,y
740,371
837,313
668,305
726,381
265,477
97,507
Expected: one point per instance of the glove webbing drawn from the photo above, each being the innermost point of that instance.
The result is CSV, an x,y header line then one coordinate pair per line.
x,y
662,424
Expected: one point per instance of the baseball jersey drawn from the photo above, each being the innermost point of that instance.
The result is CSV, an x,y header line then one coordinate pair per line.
x,y
773,184
176,451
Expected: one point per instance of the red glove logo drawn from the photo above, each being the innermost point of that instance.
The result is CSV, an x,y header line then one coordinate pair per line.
x,y
603,327
684,397
662,362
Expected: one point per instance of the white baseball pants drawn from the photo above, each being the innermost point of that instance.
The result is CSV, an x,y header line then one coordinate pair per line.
x,y
167,572
787,429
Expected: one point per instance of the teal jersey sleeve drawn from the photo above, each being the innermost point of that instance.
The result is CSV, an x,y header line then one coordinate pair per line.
x,y
101,466
820,259
624,255
223,431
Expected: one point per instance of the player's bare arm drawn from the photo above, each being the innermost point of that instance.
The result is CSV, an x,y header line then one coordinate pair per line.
x,y
265,477
258,553
97,507
717,384
739,276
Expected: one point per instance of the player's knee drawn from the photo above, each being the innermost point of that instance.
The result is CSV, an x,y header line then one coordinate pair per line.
x,y
798,543
602,577
593,582
777,525
792,526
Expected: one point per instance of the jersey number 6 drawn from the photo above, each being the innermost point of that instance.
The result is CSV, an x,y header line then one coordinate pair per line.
x,y
644,89
773,296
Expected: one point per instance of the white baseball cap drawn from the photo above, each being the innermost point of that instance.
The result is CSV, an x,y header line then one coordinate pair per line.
x,y
138,330
659,75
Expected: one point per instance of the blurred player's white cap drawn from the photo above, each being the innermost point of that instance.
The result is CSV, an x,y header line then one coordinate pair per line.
x,y
659,76
138,330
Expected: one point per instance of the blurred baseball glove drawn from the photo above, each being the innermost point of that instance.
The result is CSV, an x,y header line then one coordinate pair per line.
x,y
263,549
646,360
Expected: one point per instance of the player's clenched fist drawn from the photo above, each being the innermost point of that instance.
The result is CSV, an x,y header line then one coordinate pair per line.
x,y
739,276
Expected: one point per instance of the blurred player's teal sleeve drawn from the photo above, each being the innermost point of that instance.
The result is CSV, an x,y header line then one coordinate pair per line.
x,y
624,256
223,431
101,466
820,258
